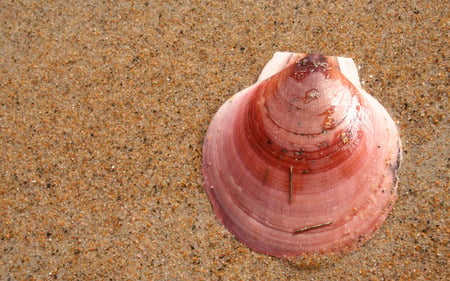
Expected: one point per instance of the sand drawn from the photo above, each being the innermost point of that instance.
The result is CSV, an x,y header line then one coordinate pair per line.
x,y
103,111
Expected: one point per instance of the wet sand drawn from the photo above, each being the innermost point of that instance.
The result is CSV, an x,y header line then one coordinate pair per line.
x,y
103,111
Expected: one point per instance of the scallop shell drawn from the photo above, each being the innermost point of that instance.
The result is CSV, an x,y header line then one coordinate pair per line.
x,y
304,161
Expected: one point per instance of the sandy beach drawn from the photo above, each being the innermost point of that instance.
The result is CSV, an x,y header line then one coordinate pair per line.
x,y
104,108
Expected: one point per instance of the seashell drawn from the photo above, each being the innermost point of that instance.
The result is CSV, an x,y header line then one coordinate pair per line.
x,y
304,161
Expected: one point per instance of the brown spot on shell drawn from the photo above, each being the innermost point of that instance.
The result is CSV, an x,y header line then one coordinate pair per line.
x,y
310,64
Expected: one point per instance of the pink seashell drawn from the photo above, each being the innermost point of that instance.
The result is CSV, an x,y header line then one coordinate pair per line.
x,y
304,161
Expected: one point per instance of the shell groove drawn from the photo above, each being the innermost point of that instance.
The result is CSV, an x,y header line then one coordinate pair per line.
x,y
304,161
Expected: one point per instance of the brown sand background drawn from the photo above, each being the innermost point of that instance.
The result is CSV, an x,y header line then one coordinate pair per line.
x,y
103,110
